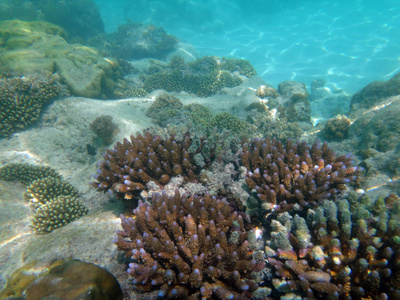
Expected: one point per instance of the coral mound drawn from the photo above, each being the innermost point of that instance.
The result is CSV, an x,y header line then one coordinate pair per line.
x,y
131,164
285,175
189,248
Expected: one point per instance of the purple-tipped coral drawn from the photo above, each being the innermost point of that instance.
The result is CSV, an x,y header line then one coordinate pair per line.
x,y
285,175
189,248
131,164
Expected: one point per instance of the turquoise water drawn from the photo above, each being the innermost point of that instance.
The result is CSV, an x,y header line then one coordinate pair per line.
x,y
347,43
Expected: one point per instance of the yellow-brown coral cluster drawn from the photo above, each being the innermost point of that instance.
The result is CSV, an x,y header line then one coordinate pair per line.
x,y
189,248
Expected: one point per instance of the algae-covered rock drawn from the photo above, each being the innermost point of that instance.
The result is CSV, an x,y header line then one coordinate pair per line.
x,y
75,279
40,47
375,91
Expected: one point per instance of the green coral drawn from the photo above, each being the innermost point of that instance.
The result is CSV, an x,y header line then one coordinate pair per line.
x,y
203,77
26,173
43,190
22,100
241,65
56,213
225,120
55,201
165,109
135,92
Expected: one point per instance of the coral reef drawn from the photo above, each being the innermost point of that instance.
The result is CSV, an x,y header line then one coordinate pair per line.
x,y
374,92
136,41
269,124
104,128
240,128
57,212
266,92
189,248
22,100
344,249
79,18
379,129
297,107
75,279
283,176
131,164
337,128
55,201
166,109
26,173
43,190
203,77
39,47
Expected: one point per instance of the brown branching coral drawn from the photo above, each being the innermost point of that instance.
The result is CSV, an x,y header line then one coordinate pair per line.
x,y
189,248
131,164
285,175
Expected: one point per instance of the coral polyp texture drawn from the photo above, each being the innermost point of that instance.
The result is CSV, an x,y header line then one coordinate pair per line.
x,y
57,212
189,248
285,175
203,77
128,167
344,249
26,173
22,100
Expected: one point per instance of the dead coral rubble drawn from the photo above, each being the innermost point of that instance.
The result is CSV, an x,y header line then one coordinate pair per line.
x,y
189,248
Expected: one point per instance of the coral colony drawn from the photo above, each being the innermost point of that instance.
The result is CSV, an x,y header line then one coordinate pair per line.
x,y
318,243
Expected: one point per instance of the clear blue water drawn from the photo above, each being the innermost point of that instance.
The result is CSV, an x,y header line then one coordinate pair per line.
x,y
347,43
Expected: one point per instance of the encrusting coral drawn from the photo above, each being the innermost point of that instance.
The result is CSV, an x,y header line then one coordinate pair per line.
x,y
189,248
131,164
344,249
295,173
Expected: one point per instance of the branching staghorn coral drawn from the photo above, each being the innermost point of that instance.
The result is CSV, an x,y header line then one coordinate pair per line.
x,y
189,248
131,164
293,174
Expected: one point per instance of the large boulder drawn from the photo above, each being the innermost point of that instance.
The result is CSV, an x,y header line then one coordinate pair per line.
x,y
374,92
39,47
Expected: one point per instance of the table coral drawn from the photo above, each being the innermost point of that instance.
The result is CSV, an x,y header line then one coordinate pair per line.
x,y
295,173
189,248
131,164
